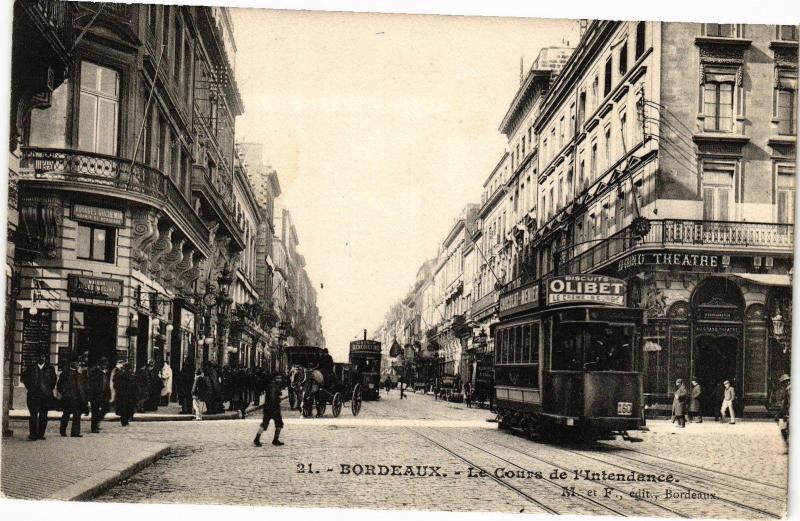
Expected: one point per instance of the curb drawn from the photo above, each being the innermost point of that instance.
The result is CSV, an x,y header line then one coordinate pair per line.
x,y
145,417
96,484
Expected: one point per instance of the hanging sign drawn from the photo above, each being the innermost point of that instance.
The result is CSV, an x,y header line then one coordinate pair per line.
x,y
586,289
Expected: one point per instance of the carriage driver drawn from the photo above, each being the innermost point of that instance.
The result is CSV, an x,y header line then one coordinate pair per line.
x,y
326,368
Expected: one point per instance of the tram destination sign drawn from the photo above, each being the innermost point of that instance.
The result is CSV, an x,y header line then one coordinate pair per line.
x,y
585,289
365,346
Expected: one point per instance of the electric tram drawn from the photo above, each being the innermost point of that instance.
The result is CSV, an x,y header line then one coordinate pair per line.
x,y
566,359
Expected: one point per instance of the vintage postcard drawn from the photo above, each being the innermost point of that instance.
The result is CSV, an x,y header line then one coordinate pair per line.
x,y
392,261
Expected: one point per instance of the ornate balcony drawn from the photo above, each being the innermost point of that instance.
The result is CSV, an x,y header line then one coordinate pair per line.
x,y
666,234
484,306
114,177
54,19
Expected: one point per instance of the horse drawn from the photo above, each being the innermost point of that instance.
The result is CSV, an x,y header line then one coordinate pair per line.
x,y
312,382
297,376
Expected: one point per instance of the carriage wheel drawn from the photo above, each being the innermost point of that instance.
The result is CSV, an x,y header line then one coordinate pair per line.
x,y
307,407
336,405
355,402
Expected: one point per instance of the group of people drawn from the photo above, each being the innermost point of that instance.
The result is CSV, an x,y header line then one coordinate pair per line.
x,y
77,391
206,390
688,403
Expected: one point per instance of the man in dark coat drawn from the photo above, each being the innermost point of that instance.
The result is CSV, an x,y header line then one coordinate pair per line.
x,y
694,405
99,392
214,401
154,386
39,380
127,394
679,399
72,386
185,382
142,388
326,368
272,411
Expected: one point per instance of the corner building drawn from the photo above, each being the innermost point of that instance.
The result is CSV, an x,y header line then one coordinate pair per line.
x,y
692,126
125,191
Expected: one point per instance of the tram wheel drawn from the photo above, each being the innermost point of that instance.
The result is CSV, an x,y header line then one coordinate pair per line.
x,y
355,401
336,405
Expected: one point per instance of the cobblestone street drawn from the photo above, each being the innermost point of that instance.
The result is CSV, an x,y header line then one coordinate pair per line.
x,y
404,454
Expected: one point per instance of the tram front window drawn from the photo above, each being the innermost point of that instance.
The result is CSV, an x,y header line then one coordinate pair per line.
x,y
592,348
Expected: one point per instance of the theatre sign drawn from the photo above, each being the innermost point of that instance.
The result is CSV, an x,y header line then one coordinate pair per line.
x,y
585,289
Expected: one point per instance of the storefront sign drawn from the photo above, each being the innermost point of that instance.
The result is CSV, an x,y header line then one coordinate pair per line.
x,y
669,259
365,346
520,299
591,289
93,214
81,286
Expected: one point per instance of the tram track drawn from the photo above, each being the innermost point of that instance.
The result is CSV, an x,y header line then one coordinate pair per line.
x,y
649,467
611,487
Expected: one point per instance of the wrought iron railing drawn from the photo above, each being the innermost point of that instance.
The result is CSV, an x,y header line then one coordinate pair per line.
x,y
57,15
50,164
683,232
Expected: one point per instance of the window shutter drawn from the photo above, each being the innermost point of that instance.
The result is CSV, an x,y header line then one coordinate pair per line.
x,y
708,204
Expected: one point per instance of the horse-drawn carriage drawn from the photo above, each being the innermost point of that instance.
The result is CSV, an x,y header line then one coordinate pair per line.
x,y
309,390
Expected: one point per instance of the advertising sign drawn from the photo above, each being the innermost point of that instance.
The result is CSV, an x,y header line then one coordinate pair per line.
x,y
526,297
586,289
83,286
365,346
93,214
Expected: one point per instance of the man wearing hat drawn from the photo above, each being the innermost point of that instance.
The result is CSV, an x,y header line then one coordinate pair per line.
x,y
39,380
679,403
727,401
694,406
99,392
783,414
72,386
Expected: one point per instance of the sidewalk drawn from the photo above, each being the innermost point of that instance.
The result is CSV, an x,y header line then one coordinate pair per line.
x,y
68,469
171,412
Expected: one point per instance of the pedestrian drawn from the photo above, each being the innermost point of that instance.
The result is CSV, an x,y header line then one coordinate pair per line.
x,y
99,392
727,402
718,397
126,393
154,386
679,403
72,387
214,397
468,394
783,414
165,375
142,388
200,392
387,384
112,382
272,411
39,380
694,406
185,381
402,387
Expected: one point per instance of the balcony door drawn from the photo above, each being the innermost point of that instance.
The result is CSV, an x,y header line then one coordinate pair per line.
x,y
718,191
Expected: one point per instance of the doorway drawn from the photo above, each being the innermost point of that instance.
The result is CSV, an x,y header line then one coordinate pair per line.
x,y
94,332
716,362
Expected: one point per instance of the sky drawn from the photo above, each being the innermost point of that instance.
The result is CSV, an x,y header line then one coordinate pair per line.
x,y
381,128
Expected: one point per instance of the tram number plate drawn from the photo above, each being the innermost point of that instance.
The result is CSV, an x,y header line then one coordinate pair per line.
x,y
624,408
372,386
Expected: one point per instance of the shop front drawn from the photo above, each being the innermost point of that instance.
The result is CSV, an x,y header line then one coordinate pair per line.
x,y
93,317
710,317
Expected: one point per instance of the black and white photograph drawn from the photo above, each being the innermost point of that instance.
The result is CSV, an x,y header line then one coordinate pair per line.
x,y
298,259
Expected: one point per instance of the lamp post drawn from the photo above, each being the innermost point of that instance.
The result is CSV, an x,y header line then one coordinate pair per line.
x,y
224,302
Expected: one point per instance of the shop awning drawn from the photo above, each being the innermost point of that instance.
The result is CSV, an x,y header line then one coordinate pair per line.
x,y
766,279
